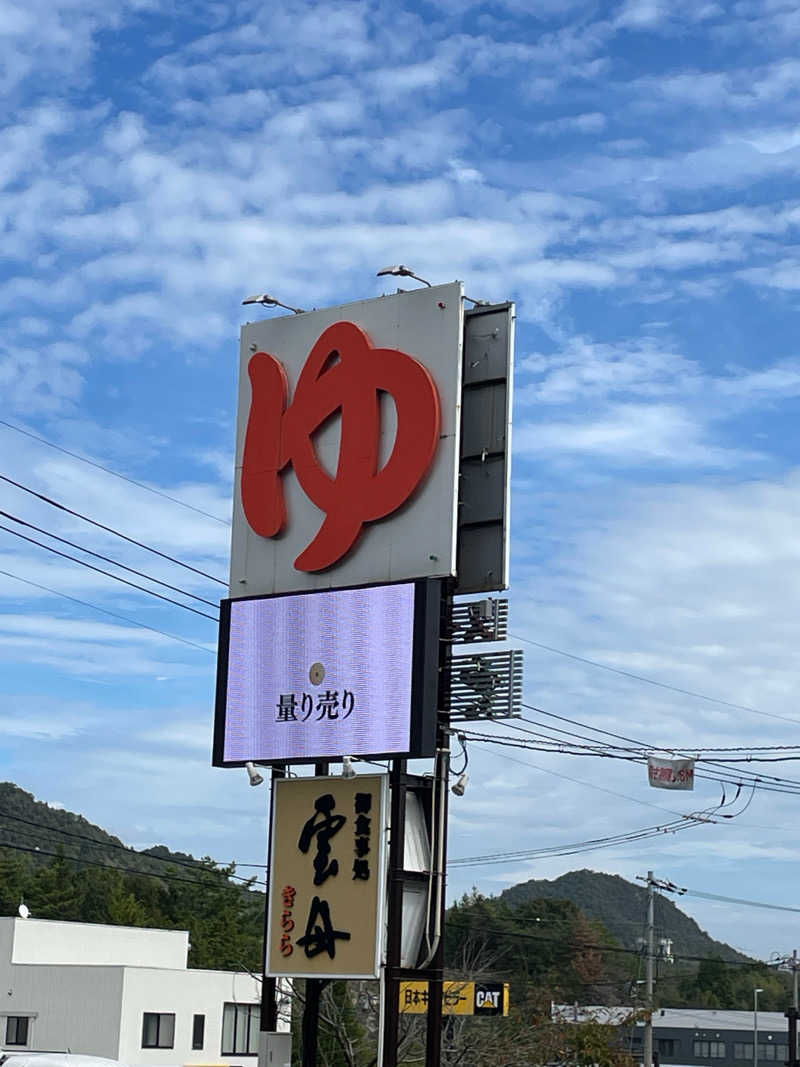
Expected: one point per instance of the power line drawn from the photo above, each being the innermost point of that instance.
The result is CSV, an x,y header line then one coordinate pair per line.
x,y
116,474
108,574
576,848
111,614
527,640
110,529
653,681
106,559
738,900
502,931
177,862
124,870
579,781
770,783
536,644
644,748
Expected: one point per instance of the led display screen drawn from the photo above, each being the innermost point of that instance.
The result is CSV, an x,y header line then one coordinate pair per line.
x,y
324,674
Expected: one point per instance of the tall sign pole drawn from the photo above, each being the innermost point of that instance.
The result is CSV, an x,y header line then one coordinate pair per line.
x,y
433,1036
269,990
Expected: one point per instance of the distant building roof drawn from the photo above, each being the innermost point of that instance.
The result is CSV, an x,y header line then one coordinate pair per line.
x,y
708,1018
676,1018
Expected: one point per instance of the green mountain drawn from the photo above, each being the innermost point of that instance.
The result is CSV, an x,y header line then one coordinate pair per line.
x,y
64,867
621,906
34,828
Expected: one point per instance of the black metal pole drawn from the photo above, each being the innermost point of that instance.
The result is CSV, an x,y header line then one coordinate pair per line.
x,y
310,1029
433,1037
269,1000
394,939
314,987
791,1015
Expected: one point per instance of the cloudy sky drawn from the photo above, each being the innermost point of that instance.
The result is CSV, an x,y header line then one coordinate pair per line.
x,y
626,172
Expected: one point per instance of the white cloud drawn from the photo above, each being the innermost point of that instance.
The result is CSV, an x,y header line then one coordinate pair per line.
x,y
664,16
629,434
782,275
586,122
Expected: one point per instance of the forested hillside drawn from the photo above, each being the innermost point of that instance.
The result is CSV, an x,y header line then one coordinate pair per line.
x,y
64,867
622,906
543,947
551,947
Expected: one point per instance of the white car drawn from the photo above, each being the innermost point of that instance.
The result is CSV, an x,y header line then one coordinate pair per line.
x,y
54,1059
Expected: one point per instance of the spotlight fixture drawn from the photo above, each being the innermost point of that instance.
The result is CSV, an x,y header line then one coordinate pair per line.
x,y
348,771
270,301
460,785
252,774
401,271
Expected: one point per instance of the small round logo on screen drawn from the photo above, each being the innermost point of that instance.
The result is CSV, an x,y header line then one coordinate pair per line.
x,y
343,373
316,674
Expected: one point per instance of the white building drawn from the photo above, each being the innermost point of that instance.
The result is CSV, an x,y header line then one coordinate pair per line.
x,y
121,992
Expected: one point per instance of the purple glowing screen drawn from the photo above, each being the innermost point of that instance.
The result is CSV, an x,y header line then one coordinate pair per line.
x,y
319,675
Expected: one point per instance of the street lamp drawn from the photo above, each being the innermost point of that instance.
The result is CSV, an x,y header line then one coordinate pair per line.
x,y
755,1026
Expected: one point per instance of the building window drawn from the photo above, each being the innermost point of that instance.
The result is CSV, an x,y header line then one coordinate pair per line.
x,y
743,1050
240,1029
666,1046
766,1052
713,1050
198,1031
17,1029
158,1029
782,1053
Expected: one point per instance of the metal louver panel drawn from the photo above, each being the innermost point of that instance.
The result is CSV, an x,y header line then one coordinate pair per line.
x,y
486,686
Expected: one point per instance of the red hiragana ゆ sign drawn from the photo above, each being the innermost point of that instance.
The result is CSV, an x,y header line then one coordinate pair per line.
x,y
343,373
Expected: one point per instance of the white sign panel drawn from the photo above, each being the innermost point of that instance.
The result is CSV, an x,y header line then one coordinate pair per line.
x,y
670,773
312,676
347,445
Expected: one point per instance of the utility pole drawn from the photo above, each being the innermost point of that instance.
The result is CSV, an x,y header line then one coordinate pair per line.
x,y
792,1013
665,952
648,1026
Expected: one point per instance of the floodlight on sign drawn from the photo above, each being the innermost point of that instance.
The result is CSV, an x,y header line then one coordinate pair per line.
x,y
318,675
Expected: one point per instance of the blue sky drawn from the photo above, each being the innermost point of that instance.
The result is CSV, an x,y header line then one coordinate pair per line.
x,y
627,172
